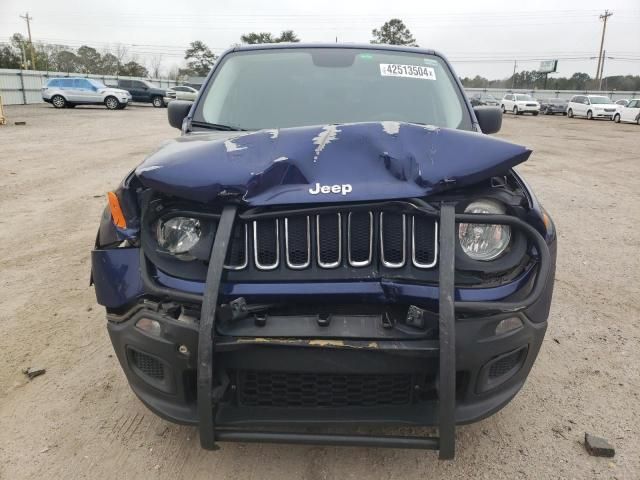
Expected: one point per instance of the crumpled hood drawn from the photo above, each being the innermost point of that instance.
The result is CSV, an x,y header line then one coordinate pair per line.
x,y
331,163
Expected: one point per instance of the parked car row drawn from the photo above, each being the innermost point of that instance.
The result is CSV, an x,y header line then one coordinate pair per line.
x,y
68,92
587,106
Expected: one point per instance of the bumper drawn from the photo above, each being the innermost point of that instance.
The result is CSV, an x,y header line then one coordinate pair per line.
x,y
456,365
480,391
608,115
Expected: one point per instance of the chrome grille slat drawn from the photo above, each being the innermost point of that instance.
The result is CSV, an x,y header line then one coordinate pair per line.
x,y
257,254
351,238
388,262
320,244
290,244
414,256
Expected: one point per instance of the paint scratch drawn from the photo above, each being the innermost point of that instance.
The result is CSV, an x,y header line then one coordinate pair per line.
x,y
280,159
149,169
392,128
328,134
232,147
273,132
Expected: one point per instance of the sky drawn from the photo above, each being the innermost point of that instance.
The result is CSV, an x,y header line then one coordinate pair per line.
x,y
479,38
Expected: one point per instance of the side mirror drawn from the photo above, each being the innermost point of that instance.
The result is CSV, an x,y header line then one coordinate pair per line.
x,y
177,112
489,118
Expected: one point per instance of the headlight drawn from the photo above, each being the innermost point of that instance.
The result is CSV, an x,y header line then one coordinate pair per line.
x,y
483,241
178,234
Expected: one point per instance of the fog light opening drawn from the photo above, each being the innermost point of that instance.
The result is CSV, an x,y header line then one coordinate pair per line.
x,y
508,325
150,326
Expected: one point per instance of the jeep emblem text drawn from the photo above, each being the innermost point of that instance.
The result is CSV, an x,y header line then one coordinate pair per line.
x,y
343,189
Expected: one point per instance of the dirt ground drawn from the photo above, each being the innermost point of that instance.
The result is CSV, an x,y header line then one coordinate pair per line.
x,y
80,420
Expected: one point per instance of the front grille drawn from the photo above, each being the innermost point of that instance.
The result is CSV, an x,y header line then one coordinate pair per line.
x,y
287,389
147,364
330,240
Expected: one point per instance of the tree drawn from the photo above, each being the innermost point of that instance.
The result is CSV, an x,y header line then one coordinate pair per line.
x,y
155,64
254,38
133,69
108,64
9,58
200,58
89,59
287,36
394,32
66,61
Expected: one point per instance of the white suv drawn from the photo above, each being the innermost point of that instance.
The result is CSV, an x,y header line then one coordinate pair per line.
x,y
69,92
591,106
519,103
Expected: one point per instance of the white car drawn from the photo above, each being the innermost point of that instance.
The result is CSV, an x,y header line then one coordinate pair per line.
x,y
519,103
591,106
181,92
69,92
630,113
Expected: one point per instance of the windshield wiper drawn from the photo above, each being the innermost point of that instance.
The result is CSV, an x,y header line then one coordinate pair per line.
x,y
218,126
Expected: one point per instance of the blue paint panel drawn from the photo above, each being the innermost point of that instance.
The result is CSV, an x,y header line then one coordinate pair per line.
x,y
116,276
275,167
382,291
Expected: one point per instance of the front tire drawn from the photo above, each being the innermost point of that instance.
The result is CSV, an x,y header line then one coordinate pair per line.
x,y
616,118
535,114
157,102
589,115
112,103
515,111
504,110
570,113
58,101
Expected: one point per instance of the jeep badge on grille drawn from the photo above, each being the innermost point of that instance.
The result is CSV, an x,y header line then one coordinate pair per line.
x,y
343,189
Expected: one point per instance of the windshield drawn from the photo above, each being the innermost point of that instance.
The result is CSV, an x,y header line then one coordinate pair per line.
x,y
524,97
96,83
599,100
279,88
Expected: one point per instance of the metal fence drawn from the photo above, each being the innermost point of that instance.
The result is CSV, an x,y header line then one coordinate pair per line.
x,y
544,94
21,87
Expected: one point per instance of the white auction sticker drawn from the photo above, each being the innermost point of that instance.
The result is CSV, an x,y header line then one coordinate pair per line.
x,y
407,71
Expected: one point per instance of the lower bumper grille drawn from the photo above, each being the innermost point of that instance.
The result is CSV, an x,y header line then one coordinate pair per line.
x,y
287,389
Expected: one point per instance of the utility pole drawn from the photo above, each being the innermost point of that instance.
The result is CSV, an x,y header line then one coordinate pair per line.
x,y
513,77
604,17
604,55
28,19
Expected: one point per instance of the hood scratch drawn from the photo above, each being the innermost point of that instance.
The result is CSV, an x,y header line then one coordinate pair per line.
x,y
232,147
328,134
392,128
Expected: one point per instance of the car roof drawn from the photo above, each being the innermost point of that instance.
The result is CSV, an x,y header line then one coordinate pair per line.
x,y
368,46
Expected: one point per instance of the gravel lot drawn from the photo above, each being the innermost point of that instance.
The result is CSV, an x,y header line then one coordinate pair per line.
x,y
80,420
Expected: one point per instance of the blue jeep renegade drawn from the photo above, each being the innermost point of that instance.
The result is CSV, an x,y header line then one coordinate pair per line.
x,y
333,240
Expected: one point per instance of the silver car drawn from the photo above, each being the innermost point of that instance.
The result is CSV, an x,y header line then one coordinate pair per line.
x,y
181,92
69,92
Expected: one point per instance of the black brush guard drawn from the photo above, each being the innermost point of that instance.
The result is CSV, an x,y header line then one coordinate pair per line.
x,y
208,395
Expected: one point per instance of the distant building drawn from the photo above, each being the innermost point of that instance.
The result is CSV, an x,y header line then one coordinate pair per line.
x,y
195,82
